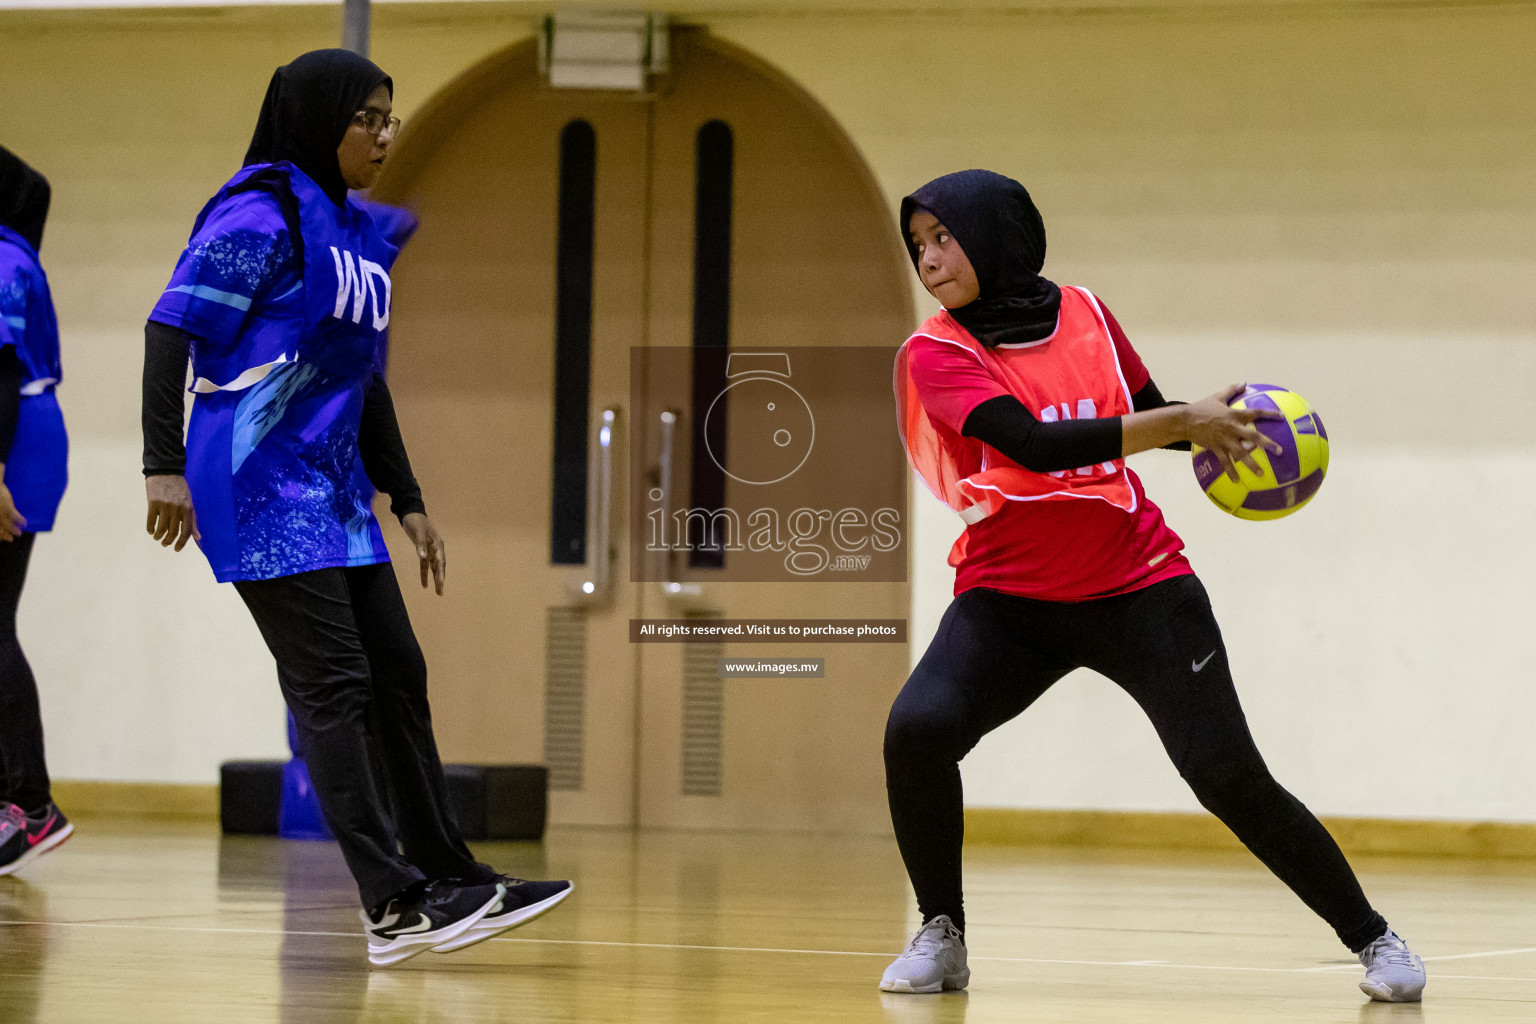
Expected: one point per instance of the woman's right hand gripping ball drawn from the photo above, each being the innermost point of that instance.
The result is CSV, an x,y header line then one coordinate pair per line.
x,y
1212,423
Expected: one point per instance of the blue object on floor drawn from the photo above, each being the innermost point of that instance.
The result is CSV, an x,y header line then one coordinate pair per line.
x,y
298,815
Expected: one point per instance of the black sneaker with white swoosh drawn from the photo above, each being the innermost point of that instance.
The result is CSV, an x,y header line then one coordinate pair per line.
x,y
521,902
440,912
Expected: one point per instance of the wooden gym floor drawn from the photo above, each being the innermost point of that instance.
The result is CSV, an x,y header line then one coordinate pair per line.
x,y
168,922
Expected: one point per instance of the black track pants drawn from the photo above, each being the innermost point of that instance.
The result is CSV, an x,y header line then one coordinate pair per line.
x,y
351,669
23,771
995,654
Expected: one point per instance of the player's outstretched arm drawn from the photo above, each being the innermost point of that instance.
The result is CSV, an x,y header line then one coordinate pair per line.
x,y
1209,423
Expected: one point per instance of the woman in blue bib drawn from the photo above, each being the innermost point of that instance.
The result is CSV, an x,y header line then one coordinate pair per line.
x,y
33,451
282,298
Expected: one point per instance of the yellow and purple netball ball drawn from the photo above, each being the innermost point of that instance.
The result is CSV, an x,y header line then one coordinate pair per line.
x,y
1291,475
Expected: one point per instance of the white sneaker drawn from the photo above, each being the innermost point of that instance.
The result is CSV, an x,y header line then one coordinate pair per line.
x,y
521,902
440,913
934,961
1392,973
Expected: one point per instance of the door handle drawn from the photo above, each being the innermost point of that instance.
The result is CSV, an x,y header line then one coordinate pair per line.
x,y
685,594
595,589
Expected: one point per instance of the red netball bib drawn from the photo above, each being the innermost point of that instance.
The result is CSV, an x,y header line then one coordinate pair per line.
x,y
1072,374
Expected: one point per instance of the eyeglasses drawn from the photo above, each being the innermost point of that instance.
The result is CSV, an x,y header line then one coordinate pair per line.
x,y
374,123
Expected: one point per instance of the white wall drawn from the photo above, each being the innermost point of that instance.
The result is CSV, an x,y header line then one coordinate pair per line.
x,y
1344,203
1380,637
147,670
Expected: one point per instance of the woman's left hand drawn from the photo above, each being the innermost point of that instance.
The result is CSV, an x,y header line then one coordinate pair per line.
x,y
12,522
429,548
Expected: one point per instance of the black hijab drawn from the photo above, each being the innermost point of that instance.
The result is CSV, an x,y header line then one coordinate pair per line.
x,y
24,196
996,223
309,105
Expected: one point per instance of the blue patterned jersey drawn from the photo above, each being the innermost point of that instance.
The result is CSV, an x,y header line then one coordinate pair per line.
x,y
36,467
284,348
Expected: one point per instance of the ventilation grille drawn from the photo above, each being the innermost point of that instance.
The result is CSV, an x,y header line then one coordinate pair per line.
x,y
565,696
703,718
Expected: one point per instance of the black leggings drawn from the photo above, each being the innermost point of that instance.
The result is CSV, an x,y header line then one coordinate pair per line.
x,y
995,654
23,771
356,682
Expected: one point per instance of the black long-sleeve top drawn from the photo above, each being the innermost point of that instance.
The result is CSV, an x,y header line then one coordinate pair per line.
x,y
1006,424
10,398
379,442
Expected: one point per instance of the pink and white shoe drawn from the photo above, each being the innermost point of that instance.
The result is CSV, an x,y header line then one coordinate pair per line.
x,y
23,839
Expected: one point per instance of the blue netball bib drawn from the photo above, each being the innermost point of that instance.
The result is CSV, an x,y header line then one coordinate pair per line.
x,y
36,469
287,296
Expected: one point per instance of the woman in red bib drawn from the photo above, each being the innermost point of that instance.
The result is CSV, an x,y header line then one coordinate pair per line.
x,y
1019,403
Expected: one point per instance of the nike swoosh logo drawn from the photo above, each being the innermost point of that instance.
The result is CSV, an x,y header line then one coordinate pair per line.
x,y
1196,666
420,926
42,832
